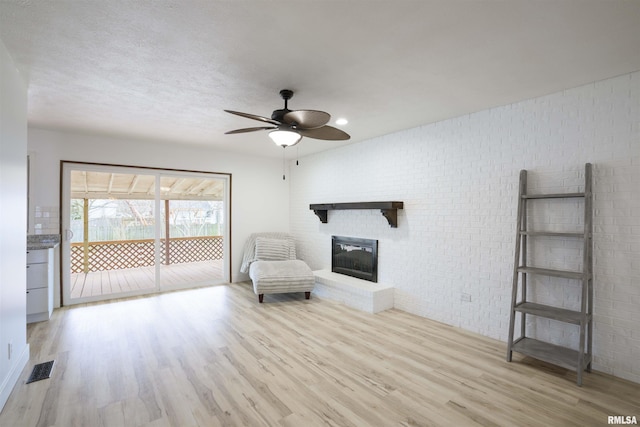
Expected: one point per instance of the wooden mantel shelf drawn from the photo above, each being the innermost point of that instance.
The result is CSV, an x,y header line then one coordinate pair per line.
x,y
388,209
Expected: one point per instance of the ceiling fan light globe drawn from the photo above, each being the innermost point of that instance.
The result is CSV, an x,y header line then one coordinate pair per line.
x,y
285,138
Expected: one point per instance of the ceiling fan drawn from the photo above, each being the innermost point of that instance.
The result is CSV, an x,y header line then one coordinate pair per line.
x,y
289,126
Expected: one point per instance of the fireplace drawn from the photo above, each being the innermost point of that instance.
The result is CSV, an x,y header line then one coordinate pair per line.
x,y
355,257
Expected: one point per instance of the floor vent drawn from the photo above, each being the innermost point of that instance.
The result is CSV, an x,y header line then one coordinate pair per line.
x,y
41,371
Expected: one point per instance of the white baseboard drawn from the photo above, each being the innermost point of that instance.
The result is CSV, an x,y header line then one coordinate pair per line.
x,y
240,277
14,374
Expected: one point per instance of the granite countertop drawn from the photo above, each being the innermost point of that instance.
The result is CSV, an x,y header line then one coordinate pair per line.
x,y
42,241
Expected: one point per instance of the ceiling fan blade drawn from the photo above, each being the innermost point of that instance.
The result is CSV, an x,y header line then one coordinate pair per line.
x,y
245,130
254,117
307,119
328,133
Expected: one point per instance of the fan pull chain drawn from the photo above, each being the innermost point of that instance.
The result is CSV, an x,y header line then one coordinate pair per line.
x,y
297,154
283,163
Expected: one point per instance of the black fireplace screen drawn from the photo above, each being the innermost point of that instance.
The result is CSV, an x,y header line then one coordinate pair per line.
x,y
355,257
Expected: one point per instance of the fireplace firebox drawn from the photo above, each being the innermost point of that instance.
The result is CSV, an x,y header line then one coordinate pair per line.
x,y
355,257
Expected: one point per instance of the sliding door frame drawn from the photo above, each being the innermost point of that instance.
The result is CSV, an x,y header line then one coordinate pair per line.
x,y
158,172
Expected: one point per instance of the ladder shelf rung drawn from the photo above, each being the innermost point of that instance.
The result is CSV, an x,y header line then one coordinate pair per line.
x,y
553,196
551,353
555,273
550,312
551,233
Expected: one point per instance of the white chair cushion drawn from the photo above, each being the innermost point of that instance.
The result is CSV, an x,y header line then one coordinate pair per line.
x,y
272,277
268,249
249,254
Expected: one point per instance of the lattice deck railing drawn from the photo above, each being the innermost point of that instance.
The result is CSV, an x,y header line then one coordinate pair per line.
x,y
120,254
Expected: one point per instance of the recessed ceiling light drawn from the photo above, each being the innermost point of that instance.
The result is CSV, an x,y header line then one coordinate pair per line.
x,y
342,121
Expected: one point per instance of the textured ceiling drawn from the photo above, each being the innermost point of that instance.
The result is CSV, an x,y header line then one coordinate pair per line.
x,y
165,70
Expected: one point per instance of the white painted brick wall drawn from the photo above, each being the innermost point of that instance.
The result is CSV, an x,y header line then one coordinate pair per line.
x,y
458,180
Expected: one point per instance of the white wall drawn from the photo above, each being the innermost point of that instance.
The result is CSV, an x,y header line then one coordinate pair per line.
x,y
260,198
13,225
458,180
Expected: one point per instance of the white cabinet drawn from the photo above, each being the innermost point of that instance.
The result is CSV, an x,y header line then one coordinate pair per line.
x,y
39,285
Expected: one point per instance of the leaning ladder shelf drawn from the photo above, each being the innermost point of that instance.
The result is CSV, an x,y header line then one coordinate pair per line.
x,y
575,359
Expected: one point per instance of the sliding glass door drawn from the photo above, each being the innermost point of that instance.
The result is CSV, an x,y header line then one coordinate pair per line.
x,y
131,231
192,214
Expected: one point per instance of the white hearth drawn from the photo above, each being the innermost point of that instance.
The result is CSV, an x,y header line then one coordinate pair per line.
x,y
357,293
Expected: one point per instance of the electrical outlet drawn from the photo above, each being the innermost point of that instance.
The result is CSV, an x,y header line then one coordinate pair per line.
x,y
465,297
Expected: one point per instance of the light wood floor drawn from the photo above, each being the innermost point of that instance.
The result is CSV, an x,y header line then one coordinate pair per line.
x,y
110,282
214,356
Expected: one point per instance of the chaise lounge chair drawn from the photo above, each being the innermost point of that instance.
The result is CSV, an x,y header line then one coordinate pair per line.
x,y
270,260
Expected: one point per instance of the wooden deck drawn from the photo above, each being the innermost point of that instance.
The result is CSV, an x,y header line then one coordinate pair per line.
x,y
110,282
